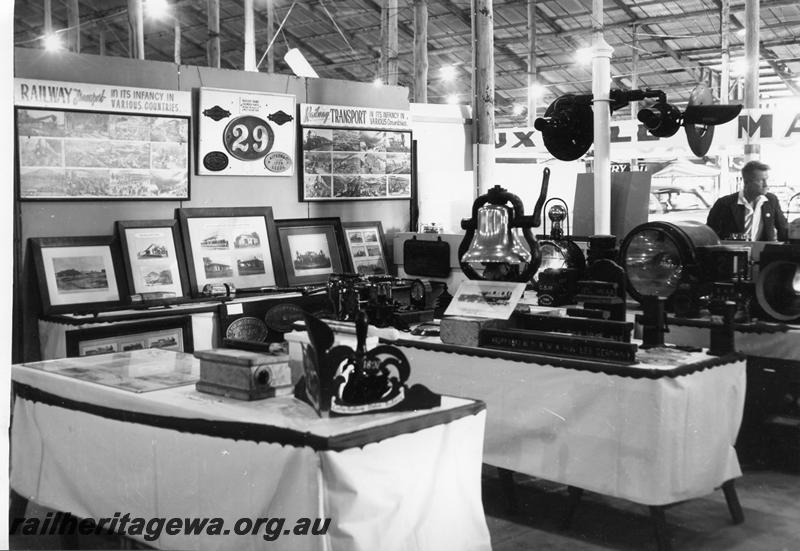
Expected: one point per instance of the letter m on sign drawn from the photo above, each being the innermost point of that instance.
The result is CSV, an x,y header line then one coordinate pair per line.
x,y
749,126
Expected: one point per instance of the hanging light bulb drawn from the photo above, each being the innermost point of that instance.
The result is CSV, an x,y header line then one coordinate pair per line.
x,y
157,9
52,42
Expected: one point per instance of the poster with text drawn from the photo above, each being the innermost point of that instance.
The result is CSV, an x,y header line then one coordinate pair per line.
x,y
246,133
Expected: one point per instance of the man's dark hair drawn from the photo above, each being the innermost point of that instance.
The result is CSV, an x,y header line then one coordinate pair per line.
x,y
751,167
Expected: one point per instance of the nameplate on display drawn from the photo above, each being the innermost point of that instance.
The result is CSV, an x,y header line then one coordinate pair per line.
x,y
540,342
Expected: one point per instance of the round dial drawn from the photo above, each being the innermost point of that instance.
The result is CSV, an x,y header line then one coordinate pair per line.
x,y
248,137
420,292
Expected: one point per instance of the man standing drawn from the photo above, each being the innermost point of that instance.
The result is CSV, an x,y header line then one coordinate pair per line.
x,y
751,213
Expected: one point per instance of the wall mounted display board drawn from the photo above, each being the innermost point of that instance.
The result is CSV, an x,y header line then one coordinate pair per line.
x,y
355,153
246,133
170,334
152,253
236,245
90,141
312,249
366,246
77,274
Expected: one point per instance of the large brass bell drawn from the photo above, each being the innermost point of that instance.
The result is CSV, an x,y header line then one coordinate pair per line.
x,y
494,241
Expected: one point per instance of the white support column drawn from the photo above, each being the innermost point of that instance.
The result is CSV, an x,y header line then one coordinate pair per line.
x,y
249,37
483,111
601,85
752,9
532,80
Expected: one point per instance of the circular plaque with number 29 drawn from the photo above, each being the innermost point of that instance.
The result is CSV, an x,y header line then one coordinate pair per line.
x,y
248,138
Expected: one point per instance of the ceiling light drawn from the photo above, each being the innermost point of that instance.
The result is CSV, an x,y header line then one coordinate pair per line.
x,y
299,64
377,82
448,73
537,90
583,56
738,66
452,98
518,109
157,8
741,32
52,42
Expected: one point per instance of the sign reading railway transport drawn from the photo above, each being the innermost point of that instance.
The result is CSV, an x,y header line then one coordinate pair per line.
x,y
338,116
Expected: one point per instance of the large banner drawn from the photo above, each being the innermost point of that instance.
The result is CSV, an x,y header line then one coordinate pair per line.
x,y
338,116
100,97
630,138
246,133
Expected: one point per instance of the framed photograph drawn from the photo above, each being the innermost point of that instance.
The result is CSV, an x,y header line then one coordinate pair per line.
x,y
90,155
77,274
355,164
312,249
168,333
486,299
366,246
152,253
237,245
246,133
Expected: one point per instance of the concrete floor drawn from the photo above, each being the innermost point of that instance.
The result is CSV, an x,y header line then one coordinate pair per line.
x,y
770,499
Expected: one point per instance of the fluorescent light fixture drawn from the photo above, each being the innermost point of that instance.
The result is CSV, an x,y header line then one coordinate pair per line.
x,y
448,73
452,98
156,8
52,42
297,62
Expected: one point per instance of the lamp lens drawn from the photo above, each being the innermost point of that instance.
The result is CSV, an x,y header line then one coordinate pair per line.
x,y
653,263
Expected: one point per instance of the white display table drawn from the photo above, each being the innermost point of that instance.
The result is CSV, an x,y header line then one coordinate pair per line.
x,y
652,434
391,481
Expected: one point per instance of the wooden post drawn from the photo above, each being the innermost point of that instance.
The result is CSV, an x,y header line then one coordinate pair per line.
x,y
532,80
483,109
383,68
270,36
634,85
136,21
392,42
752,17
48,18
101,41
725,46
420,51
176,26
212,46
249,37
74,26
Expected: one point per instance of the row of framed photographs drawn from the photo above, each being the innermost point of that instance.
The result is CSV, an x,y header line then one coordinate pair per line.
x,y
243,246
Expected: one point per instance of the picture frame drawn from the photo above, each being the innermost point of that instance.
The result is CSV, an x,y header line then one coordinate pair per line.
x,y
78,274
152,255
174,333
366,246
486,299
231,245
355,164
312,249
67,155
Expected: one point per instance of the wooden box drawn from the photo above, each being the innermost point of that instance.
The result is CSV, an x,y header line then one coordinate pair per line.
x,y
244,375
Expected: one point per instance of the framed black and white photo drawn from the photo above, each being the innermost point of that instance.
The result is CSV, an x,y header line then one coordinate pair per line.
x,y
237,245
152,253
354,153
169,333
77,274
67,155
312,249
366,246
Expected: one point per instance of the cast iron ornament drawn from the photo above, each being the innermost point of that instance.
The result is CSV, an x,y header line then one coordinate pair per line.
x,y
217,113
280,118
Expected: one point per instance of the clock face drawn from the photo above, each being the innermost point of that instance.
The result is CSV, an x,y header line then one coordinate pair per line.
x,y
420,292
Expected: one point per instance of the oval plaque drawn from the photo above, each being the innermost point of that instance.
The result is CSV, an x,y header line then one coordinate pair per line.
x,y
281,317
278,161
248,138
247,328
215,161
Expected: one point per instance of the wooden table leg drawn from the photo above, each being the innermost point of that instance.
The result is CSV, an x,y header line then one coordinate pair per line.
x,y
574,498
733,502
660,526
507,481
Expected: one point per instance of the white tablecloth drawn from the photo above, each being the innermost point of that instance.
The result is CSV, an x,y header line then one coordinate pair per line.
x,y
415,486
781,345
651,441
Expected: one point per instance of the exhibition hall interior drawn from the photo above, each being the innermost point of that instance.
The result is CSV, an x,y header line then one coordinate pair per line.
x,y
404,275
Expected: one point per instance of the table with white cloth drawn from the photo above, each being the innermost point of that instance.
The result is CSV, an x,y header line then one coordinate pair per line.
x,y
391,481
650,433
